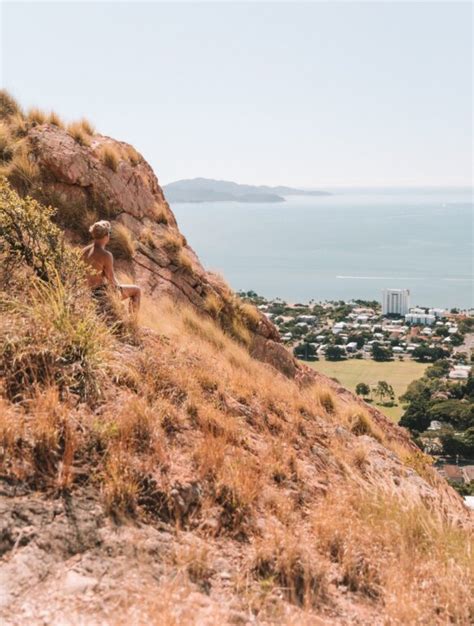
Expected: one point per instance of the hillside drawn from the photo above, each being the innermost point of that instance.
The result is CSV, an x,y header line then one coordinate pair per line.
x,y
184,468
209,190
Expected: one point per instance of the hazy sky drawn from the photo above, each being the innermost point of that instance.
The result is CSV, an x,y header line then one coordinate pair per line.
x,y
311,94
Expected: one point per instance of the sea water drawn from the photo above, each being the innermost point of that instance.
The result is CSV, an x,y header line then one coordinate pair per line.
x,y
351,244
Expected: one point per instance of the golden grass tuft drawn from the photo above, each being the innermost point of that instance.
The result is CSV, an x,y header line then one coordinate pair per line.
x,y
22,170
172,241
37,117
110,156
147,238
213,304
326,399
282,558
184,261
79,131
119,485
360,422
54,119
133,156
121,243
8,105
159,214
18,125
6,141
250,313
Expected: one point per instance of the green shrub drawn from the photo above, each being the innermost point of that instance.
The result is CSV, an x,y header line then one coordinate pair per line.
x,y
27,235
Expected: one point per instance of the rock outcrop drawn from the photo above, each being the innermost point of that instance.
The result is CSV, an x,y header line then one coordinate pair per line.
x,y
79,179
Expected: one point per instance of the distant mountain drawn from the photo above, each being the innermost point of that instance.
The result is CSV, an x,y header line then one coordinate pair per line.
x,y
209,190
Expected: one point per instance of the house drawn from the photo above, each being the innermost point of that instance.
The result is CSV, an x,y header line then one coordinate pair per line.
x,y
351,346
452,473
468,473
308,319
419,318
397,350
460,372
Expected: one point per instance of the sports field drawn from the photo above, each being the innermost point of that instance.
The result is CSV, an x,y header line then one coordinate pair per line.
x,y
399,374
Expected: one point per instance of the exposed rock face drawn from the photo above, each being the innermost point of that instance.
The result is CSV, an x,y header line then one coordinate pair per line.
x,y
74,175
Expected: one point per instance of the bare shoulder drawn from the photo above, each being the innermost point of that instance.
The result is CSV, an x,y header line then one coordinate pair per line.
x,y
87,250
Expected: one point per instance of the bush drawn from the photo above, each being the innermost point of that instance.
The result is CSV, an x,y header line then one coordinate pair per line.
x,y
51,336
28,235
334,353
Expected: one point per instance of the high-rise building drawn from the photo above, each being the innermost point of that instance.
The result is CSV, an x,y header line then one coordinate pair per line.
x,y
395,301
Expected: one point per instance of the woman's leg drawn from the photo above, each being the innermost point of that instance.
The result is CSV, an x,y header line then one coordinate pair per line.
x,y
134,293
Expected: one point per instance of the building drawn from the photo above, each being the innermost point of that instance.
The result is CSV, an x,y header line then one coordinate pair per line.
x,y
420,318
395,301
460,372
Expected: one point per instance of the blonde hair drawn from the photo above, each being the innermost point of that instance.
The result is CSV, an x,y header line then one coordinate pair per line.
x,y
100,229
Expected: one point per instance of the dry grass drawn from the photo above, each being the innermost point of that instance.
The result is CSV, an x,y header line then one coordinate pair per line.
x,y
8,105
283,558
18,125
79,131
148,238
119,484
22,170
172,241
213,304
36,117
184,261
54,119
361,423
133,156
283,482
250,314
110,156
6,148
121,243
326,399
400,553
159,214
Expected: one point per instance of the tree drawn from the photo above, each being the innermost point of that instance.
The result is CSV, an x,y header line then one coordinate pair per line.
x,y
379,353
362,389
416,417
384,391
425,354
305,351
335,353
462,444
439,369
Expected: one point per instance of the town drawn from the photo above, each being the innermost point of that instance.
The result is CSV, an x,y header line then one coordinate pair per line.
x,y
359,329
413,362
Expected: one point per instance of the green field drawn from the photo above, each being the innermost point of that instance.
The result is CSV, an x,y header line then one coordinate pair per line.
x,y
399,374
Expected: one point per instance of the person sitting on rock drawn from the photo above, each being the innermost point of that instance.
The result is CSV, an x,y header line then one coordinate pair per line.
x,y
102,263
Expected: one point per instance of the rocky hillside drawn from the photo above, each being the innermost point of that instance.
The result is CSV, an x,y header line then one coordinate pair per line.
x,y
158,472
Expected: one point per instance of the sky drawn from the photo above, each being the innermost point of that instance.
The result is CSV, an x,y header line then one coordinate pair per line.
x,y
315,94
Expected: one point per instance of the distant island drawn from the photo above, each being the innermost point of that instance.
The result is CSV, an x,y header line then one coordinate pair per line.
x,y
209,190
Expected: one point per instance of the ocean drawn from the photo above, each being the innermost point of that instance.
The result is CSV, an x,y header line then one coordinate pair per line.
x,y
351,244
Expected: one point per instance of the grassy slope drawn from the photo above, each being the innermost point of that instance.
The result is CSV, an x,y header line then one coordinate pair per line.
x,y
349,373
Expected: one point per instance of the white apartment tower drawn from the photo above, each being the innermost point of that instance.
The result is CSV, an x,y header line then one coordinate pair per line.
x,y
395,301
